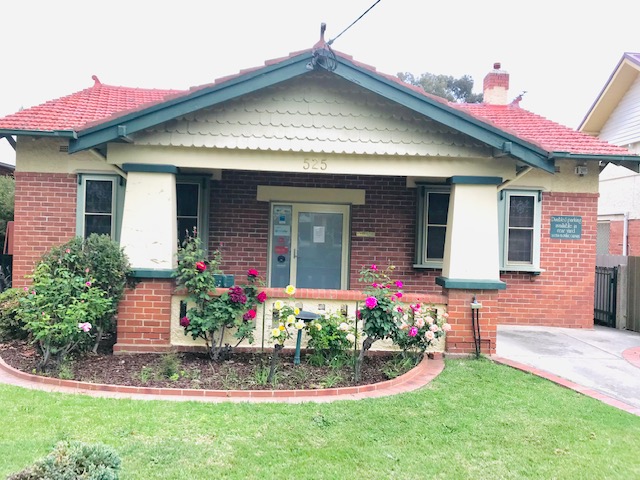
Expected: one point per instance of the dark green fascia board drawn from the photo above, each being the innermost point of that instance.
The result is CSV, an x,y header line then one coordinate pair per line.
x,y
470,284
442,113
151,273
152,168
590,157
40,133
199,99
473,180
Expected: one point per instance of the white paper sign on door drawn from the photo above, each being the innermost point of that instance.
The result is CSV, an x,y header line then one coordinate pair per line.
x,y
318,234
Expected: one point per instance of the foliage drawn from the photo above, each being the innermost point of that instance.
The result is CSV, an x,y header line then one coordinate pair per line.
x,y
61,309
7,193
331,335
212,314
382,308
420,327
102,261
11,325
285,313
446,86
74,461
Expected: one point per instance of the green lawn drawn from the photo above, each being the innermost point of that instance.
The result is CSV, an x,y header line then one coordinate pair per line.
x,y
476,420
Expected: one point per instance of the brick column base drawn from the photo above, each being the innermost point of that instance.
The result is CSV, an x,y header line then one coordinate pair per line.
x,y
460,338
144,318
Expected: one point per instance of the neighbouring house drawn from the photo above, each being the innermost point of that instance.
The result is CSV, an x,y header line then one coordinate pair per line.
x,y
615,118
308,168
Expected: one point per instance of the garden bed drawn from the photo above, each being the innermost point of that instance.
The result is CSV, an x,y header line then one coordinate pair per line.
x,y
244,371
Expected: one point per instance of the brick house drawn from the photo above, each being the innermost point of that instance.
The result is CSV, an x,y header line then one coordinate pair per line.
x,y
308,168
615,118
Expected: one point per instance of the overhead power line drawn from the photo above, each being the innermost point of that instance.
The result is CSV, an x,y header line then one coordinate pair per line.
x,y
354,22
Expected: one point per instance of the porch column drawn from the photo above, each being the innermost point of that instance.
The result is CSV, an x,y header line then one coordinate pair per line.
x,y
149,226
149,238
471,264
471,249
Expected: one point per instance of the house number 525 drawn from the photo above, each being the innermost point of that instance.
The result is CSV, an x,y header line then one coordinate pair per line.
x,y
314,164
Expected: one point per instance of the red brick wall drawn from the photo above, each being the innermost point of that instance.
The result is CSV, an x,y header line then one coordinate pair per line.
x,y
460,339
239,224
45,215
563,294
633,237
616,237
144,317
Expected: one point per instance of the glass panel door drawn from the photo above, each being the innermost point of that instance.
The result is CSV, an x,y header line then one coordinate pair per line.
x,y
315,253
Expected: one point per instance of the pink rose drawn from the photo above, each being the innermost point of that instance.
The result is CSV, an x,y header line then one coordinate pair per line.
x,y
399,294
413,331
446,327
429,335
399,284
371,302
434,328
262,297
374,267
252,272
201,266
419,323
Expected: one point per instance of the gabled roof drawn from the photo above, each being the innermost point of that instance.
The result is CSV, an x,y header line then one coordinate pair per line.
x,y
617,85
102,113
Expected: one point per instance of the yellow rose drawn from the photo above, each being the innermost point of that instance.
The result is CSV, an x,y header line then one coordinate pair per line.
x,y
281,327
318,326
290,290
275,333
296,311
291,319
278,305
300,325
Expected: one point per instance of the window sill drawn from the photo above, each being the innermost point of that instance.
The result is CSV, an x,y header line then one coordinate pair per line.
x,y
531,270
428,265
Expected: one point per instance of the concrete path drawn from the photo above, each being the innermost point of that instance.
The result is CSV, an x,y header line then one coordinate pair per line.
x,y
602,360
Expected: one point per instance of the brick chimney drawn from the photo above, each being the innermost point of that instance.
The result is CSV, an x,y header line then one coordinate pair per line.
x,y
496,86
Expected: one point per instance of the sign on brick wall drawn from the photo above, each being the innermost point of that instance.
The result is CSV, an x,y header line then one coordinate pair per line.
x,y
566,227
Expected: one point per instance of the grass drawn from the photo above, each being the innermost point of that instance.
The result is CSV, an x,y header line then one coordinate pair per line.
x,y
476,420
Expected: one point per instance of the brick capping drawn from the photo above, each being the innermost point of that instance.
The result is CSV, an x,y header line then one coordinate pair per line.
x,y
415,378
346,295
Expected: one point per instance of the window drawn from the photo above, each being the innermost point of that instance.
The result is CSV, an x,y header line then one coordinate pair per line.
x,y
433,211
100,200
191,207
520,218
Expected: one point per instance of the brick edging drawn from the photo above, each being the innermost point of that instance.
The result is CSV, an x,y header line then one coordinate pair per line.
x,y
415,378
563,382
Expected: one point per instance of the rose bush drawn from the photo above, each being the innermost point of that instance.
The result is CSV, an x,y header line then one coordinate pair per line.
x,y
210,314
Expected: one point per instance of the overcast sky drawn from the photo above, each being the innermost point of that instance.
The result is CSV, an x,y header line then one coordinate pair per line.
x,y
560,52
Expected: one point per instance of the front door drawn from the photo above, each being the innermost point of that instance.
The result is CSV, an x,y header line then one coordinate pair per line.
x,y
309,245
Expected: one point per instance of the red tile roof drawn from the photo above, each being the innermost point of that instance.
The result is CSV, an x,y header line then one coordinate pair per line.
x,y
101,103
549,135
72,112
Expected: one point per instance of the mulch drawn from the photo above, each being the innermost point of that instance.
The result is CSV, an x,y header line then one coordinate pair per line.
x,y
243,371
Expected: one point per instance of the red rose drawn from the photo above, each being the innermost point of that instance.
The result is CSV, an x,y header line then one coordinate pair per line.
x,y
262,297
252,272
250,315
184,322
201,266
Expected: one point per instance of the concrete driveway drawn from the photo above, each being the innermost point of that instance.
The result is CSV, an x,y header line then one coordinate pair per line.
x,y
590,358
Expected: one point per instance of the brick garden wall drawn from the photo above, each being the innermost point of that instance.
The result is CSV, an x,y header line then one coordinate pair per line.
x,y
239,224
616,237
144,317
563,294
45,215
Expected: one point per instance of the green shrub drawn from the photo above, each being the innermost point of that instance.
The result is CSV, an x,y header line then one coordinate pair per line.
x,y
330,335
105,264
11,325
74,461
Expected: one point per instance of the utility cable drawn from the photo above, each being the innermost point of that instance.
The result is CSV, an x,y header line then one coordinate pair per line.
x,y
354,22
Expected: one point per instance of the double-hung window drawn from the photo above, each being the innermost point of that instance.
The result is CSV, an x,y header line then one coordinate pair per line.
x,y
432,211
520,220
191,207
100,200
